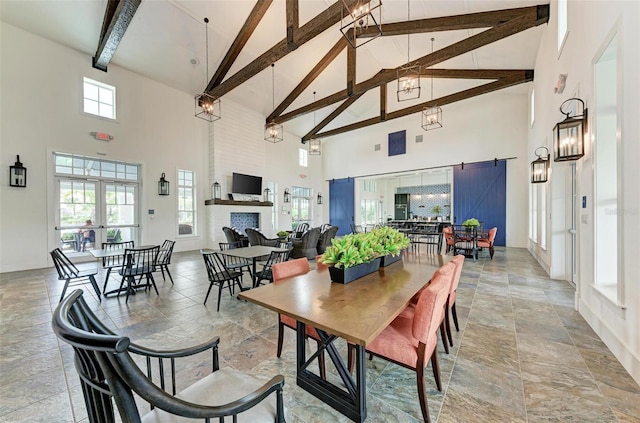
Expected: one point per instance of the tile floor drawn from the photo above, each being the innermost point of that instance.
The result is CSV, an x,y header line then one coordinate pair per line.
x,y
522,354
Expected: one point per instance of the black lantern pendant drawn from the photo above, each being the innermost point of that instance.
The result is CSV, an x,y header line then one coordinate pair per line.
x,y
320,199
163,186
569,134
287,195
18,174
540,167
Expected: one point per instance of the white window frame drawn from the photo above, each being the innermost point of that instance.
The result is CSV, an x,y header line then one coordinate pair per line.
x,y
303,157
563,23
103,90
298,194
182,205
533,107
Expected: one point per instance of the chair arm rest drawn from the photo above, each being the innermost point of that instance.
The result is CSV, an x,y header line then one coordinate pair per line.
x,y
183,352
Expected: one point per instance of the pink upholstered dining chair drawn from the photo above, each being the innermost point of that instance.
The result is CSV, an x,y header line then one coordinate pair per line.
x,y
488,241
451,300
448,237
284,270
320,265
410,341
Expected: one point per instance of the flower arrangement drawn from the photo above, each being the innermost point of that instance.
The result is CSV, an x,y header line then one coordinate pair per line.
x,y
471,222
354,249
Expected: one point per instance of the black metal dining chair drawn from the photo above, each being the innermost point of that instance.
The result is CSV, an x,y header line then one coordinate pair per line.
x,y
266,273
68,272
219,274
138,263
113,262
235,263
164,258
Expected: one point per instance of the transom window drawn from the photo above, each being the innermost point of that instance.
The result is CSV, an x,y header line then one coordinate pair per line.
x,y
69,164
303,158
99,99
186,202
369,186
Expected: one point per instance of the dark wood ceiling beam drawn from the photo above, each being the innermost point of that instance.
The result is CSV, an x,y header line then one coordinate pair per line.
x,y
337,112
117,17
308,31
249,26
453,23
383,102
525,21
310,77
351,67
525,76
293,22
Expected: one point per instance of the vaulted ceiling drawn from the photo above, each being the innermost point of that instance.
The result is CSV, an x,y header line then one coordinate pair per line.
x,y
480,46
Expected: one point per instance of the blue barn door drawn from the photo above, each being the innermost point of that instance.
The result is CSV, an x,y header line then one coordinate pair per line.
x,y
341,204
480,191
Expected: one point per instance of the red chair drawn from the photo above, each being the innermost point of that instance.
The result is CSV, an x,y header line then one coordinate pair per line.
x,y
448,236
451,300
284,270
411,341
488,241
320,265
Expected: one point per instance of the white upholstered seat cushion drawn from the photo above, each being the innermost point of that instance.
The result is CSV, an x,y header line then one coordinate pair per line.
x,y
221,387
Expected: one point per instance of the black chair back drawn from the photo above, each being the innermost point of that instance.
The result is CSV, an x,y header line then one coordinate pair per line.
x,y
220,274
115,261
266,272
139,261
164,255
64,267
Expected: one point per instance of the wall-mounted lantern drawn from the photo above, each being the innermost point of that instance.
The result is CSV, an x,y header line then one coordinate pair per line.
x,y
540,167
569,134
287,195
163,186
320,199
18,174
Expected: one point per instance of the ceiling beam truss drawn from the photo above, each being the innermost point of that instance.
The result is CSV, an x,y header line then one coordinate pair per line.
x,y
117,17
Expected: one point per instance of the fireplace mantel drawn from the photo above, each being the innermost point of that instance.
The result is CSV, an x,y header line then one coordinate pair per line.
x,y
238,203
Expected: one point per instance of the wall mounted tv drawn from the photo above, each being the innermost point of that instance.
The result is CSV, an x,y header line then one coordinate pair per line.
x,y
246,184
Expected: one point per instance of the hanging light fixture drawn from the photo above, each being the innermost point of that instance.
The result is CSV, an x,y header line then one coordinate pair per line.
x,y
272,131
356,19
409,75
540,167
431,116
569,134
315,144
207,106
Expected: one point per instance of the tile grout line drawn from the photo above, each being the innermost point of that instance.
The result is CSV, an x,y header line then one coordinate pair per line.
x,y
515,331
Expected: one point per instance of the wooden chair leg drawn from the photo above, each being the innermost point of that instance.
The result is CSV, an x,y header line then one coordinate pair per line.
x,y
422,394
455,316
447,324
491,252
436,369
443,335
280,337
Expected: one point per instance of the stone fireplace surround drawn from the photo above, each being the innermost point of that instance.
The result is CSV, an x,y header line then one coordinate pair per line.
x,y
219,215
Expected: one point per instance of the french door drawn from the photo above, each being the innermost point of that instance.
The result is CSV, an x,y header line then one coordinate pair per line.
x,y
90,212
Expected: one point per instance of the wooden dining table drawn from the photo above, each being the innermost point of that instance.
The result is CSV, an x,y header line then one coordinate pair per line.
x,y
357,312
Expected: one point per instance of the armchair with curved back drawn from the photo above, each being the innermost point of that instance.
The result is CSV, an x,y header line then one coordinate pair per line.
x,y
257,238
488,241
108,371
300,230
325,238
306,246
234,236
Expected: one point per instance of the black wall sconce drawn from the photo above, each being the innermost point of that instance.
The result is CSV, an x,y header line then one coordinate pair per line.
x,y
287,195
569,134
18,174
320,199
266,194
540,167
217,194
163,186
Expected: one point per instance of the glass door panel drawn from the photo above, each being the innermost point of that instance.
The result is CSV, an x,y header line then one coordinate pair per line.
x,y
77,227
121,213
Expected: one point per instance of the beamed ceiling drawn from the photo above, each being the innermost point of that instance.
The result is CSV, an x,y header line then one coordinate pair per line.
x,y
480,47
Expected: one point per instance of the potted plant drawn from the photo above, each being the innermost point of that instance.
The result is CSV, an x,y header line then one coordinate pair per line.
x,y
471,222
282,234
436,210
352,256
392,242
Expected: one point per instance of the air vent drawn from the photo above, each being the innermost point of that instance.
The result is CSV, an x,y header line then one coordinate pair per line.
x,y
376,147
418,138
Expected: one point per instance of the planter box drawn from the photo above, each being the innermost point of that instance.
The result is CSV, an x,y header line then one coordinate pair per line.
x,y
352,273
389,259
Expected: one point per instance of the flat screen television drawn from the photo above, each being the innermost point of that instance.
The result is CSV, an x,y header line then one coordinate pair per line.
x,y
246,184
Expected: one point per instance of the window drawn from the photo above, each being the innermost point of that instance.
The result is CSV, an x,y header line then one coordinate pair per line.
x,y
69,164
273,187
99,99
300,206
562,23
369,186
369,212
186,202
303,157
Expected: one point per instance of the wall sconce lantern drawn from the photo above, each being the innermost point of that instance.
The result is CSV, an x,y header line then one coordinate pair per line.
x,y
163,186
18,174
266,194
217,194
287,195
569,134
320,199
540,167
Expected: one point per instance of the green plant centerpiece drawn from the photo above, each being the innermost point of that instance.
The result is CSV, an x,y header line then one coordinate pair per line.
x,y
436,210
471,222
282,234
393,242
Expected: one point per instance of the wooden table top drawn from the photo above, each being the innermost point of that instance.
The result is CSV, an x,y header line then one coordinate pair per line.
x,y
358,311
248,252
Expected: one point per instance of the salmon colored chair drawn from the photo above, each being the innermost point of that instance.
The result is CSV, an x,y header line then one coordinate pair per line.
x,y
448,237
451,300
320,265
488,241
289,269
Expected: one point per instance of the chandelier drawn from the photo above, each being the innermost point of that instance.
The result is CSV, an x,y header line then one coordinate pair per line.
x,y
364,15
431,116
272,131
409,75
315,144
207,106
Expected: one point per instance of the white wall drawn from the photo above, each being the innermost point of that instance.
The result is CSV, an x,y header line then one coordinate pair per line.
x,y
616,321
478,129
41,85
